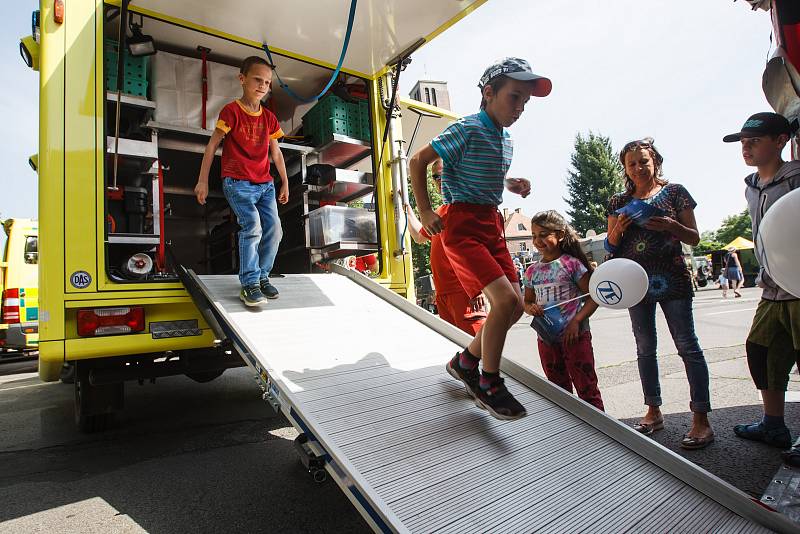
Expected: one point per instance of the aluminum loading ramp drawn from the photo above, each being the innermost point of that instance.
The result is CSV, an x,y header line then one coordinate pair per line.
x,y
360,370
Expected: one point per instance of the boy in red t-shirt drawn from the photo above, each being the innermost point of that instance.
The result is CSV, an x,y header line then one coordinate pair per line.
x,y
251,135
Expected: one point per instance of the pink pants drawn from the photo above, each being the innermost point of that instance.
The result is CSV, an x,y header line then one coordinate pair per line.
x,y
572,365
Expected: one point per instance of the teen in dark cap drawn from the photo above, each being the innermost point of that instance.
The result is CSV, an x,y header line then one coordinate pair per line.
x,y
773,344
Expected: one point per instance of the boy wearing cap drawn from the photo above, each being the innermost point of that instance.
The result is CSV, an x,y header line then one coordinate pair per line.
x,y
773,344
476,151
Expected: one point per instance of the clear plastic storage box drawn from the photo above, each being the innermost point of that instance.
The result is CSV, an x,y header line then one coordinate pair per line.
x,y
334,224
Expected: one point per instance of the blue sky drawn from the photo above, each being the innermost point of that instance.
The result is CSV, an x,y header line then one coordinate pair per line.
x,y
19,106
683,73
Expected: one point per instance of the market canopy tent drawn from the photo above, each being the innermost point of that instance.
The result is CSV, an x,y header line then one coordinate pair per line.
x,y
740,243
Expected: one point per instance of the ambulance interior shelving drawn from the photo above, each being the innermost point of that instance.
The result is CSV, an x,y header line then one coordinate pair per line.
x,y
167,111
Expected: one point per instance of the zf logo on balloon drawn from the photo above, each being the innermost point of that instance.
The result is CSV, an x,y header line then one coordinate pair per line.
x,y
609,292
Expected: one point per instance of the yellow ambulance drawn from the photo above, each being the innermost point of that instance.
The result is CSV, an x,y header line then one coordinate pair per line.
x,y
19,286
129,92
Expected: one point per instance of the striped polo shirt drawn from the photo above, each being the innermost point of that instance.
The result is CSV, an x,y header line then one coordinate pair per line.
x,y
476,155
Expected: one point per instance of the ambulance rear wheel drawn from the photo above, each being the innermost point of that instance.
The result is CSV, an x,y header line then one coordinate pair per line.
x,y
95,404
68,373
84,419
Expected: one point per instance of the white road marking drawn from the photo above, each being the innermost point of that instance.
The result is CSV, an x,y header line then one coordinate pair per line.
x,y
731,311
23,387
19,377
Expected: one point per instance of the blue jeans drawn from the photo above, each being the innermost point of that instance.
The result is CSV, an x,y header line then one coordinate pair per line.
x,y
260,234
681,325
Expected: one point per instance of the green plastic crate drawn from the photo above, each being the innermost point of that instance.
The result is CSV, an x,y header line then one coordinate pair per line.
x,y
132,86
332,115
135,67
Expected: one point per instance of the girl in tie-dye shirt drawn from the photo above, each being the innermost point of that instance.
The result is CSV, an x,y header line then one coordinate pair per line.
x,y
564,340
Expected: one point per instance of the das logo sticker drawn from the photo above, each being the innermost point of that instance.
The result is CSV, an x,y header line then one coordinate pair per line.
x,y
80,279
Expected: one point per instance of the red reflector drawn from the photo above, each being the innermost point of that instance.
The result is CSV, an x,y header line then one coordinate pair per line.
x,y
58,11
11,305
110,321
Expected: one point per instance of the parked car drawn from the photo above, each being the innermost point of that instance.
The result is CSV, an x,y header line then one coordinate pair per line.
x,y
702,271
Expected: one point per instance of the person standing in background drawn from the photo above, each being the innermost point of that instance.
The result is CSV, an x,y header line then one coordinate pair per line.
x,y
452,302
733,271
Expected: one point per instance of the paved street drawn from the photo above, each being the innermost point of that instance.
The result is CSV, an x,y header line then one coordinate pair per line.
x,y
213,457
719,323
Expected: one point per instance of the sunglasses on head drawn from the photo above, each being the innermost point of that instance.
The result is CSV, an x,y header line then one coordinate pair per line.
x,y
641,143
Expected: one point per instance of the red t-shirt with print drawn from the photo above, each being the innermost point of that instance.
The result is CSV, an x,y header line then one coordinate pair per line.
x,y
245,152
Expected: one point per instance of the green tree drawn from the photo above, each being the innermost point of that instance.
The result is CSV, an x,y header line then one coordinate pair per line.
x,y
708,243
738,225
421,253
596,174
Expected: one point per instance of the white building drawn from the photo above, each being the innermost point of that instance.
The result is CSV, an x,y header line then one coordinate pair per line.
x,y
432,92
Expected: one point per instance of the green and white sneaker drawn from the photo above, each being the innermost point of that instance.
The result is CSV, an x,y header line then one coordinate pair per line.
x,y
252,296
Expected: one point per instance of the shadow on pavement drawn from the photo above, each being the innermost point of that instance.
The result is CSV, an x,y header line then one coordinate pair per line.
x,y
181,457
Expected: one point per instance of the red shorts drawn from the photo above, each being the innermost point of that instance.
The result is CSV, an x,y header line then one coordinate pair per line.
x,y
474,243
455,308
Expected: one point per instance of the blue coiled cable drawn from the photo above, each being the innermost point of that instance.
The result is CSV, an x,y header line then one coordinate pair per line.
x,y
294,95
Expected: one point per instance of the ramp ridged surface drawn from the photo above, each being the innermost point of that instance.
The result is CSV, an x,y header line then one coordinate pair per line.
x,y
371,380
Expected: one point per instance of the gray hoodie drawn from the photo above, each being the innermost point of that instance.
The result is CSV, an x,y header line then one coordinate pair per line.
x,y
759,199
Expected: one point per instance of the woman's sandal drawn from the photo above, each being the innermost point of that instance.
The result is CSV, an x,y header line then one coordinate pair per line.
x,y
648,428
691,443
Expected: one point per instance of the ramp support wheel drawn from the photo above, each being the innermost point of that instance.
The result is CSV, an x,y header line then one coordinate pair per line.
x,y
315,465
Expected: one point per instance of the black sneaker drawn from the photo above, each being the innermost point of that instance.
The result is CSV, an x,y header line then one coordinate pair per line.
x,y
252,296
469,377
779,437
269,291
499,402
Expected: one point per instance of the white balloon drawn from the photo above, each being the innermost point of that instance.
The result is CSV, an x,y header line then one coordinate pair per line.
x,y
777,246
618,284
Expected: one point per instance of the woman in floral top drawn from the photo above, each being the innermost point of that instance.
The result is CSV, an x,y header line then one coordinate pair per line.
x,y
656,246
